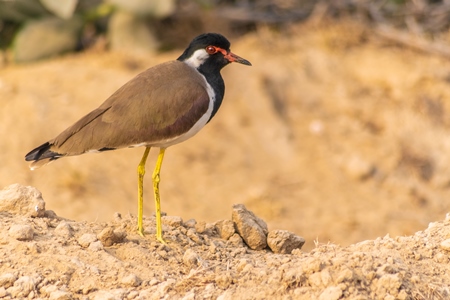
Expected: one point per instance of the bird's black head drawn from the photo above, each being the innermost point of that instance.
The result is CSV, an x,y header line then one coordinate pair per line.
x,y
210,52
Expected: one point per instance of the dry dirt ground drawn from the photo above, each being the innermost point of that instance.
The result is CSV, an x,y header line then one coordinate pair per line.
x,y
334,134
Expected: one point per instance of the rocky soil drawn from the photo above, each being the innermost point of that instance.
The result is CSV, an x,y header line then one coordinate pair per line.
x,y
45,256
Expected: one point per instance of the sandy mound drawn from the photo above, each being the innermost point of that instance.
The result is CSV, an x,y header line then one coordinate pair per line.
x,y
46,256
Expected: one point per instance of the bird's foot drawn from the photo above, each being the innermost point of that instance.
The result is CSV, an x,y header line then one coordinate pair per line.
x,y
161,239
141,232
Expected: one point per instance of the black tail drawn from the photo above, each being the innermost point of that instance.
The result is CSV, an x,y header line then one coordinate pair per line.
x,y
41,156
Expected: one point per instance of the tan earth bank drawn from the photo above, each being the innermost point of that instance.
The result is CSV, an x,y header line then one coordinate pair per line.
x,y
333,134
46,256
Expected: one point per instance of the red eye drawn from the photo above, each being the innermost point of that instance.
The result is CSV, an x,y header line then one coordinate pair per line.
x,y
211,49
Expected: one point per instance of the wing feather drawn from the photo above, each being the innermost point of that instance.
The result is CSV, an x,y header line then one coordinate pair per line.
x,y
159,104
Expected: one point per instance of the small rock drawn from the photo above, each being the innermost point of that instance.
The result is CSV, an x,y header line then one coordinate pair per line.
x,y
445,245
130,32
224,280
50,214
153,282
283,241
60,36
243,264
315,279
172,221
7,280
200,227
109,237
109,295
251,228
46,290
225,228
297,252
86,239
64,229
344,275
21,232
88,287
60,295
3,292
96,246
132,295
117,217
210,229
23,286
131,280
22,200
389,284
190,223
235,241
193,235
191,258
331,293
358,168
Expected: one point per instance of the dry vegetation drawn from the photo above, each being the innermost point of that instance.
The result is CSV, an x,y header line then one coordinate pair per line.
x,y
335,133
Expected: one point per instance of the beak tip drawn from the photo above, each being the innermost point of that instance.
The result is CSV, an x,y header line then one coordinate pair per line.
x,y
244,62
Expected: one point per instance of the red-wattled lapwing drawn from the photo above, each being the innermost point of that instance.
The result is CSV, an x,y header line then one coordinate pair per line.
x,y
163,106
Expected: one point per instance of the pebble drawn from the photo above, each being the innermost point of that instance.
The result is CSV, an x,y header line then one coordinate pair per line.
x,y
235,241
21,232
117,217
7,280
283,241
86,239
109,237
225,228
190,223
191,259
22,200
153,282
23,286
358,168
224,280
173,221
389,283
107,295
331,293
96,246
251,228
200,227
193,236
64,229
445,245
344,275
50,214
131,280
133,295
60,295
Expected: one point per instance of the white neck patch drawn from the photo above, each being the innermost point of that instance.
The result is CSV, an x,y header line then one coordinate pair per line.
x,y
197,58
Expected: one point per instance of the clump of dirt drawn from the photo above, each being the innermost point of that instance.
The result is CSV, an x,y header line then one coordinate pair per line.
x,y
47,256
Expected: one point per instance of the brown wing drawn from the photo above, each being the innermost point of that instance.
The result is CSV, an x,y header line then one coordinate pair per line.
x,y
161,103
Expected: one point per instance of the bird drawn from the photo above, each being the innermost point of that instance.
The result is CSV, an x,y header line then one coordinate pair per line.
x,y
160,107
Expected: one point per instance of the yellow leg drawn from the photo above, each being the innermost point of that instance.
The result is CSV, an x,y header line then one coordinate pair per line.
x,y
156,180
141,173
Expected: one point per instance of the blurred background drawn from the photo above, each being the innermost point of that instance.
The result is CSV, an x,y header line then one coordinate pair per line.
x,y
340,131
